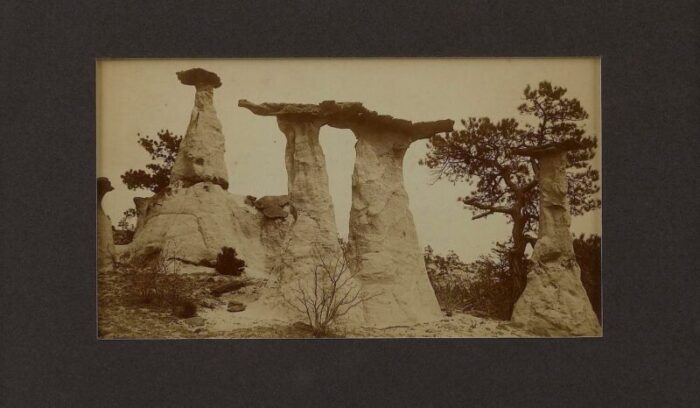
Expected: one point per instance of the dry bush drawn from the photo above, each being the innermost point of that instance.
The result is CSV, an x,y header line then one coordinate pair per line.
x,y
158,282
228,262
331,292
483,288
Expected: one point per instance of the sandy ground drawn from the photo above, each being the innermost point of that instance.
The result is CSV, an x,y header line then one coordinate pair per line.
x,y
120,317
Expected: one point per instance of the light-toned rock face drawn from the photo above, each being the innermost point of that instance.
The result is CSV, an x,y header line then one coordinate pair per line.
x,y
389,261
141,205
554,302
385,255
310,230
193,224
309,197
201,154
105,240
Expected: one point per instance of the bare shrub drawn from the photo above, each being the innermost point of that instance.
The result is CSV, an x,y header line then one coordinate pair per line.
x,y
158,282
331,292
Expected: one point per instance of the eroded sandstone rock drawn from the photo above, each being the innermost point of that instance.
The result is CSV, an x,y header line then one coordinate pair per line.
x,y
201,154
193,223
141,205
312,230
554,302
105,240
385,255
383,238
273,206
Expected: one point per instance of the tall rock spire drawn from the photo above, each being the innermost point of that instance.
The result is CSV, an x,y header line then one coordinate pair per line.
x,y
554,302
201,155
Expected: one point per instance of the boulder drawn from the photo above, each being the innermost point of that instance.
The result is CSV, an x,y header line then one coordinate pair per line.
x,y
273,206
106,251
554,302
234,307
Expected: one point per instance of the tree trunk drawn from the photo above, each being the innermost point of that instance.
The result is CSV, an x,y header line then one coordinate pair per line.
x,y
516,258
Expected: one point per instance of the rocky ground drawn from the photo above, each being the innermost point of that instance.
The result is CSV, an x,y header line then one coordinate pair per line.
x,y
123,315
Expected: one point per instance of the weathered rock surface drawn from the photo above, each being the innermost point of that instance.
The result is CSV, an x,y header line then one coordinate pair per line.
x,y
193,223
386,256
105,240
312,231
201,155
383,236
554,302
141,205
273,206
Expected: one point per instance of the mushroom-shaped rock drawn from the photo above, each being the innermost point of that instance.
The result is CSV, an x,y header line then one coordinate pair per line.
x,y
201,154
554,302
105,239
383,236
313,224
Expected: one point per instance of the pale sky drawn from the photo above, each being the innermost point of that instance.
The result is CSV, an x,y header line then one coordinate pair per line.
x,y
144,96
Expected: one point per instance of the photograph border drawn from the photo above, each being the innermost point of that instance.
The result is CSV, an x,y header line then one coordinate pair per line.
x,y
49,355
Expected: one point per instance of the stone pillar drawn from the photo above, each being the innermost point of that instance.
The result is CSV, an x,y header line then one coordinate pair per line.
x,y
312,232
389,261
554,302
105,239
201,155
309,196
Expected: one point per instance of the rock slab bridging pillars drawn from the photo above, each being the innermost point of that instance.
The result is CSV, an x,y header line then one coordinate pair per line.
x,y
554,302
385,255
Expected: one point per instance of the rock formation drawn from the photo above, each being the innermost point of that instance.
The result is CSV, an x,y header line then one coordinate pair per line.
x,y
383,237
105,240
554,302
193,223
313,231
201,154
194,218
141,205
386,257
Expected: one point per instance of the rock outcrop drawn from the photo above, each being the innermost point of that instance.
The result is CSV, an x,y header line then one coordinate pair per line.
x,y
385,255
141,205
383,236
194,218
554,302
193,223
312,232
201,154
105,239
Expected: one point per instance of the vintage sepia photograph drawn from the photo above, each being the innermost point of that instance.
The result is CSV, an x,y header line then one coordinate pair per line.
x,y
348,198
